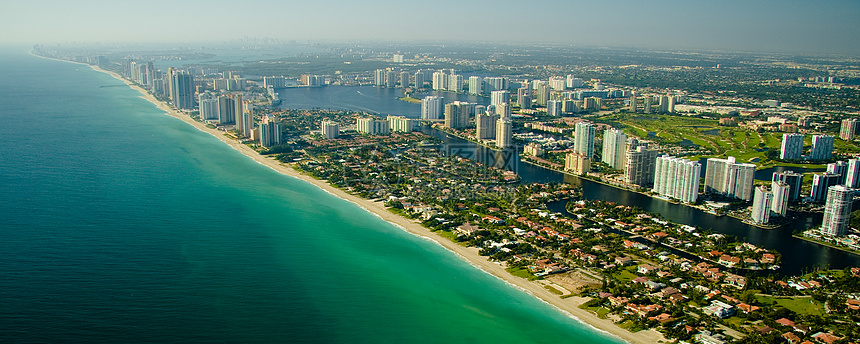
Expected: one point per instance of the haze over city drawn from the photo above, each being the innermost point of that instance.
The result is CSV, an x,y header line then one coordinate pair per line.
x,y
770,26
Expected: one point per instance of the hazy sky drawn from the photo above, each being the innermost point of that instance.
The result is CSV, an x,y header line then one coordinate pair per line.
x,y
751,25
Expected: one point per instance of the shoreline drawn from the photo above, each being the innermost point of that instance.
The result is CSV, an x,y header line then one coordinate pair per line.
x,y
568,306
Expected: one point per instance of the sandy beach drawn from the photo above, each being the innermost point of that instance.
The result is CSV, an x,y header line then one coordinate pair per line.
x,y
568,305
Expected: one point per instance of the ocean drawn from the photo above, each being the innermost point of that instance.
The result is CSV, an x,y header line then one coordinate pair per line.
x,y
121,224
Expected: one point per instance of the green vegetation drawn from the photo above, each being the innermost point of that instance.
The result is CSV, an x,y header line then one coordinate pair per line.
x,y
804,305
521,272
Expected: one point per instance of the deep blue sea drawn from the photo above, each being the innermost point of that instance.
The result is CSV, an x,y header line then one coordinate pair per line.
x,y
120,224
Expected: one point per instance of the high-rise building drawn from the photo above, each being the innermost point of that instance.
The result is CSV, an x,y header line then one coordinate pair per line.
x,y
457,114
557,83
404,79
485,126
270,132
761,205
793,179
182,91
573,82
577,163
792,147
245,122
640,165
840,168
849,128
614,148
476,85
553,107
729,178
542,94
781,193
500,97
400,124
677,178
419,79
379,78
329,129
504,133
852,175
837,211
372,126
503,110
495,84
455,83
584,139
431,107
821,182
390,79
664,104
274,82
440,81
524,98
633,103
208,106
226,109
648,104
822,147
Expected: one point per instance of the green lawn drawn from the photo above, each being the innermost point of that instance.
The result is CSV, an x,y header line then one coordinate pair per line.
x,y
625,276
799,305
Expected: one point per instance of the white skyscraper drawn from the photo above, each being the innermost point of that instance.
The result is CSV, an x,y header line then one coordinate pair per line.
x,y
557,83
500,97
554,107
822,147
372,126
849,128
503,133
476,84
455,83
431,107
792,147
780,192
379,78
584,139
270,132
614,148
400,124
821,182
640,164
761,205
837,211
840,168
485,126
329,129
730,178
440,81
419,79
677,178
852,176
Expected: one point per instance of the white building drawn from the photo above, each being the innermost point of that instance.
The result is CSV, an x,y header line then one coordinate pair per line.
x,y
640,165
400,124
500,97
822,147
476,85
781,194
329,129
431,107
730,178
503,133
792,147
485,126
554,107
852,176
837,211
677,178
761,205
614,148
270,132
372,126
584,139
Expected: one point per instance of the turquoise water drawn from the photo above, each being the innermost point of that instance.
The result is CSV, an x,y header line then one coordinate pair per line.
x,y
120,224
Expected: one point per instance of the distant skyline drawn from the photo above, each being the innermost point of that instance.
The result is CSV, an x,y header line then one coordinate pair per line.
x,y
788,26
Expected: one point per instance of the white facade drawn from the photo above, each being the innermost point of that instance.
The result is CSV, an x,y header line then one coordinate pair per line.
x,y
614,148
503,133
761,205
822,147
730,178
837,211
677,178
780,191
372,126
431,107
584,139
792,147
329,129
